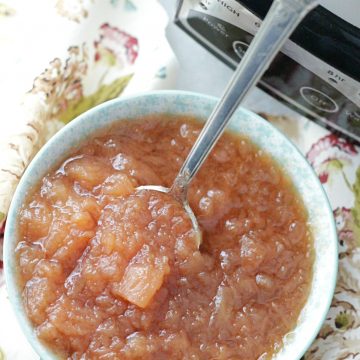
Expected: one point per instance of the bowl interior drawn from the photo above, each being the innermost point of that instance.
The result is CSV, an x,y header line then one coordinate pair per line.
x,y
260,132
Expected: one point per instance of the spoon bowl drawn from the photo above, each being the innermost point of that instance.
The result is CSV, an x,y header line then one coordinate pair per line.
x,y
185,204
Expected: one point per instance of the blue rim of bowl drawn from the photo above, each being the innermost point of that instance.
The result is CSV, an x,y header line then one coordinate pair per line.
x,y
10,277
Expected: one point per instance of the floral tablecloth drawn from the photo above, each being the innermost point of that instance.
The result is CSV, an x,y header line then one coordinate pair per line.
x,y
61,57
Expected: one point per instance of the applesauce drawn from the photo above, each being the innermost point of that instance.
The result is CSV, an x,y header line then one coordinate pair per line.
x,y
109,272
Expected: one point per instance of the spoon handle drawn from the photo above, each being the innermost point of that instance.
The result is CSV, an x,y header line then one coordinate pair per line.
x,y
281,20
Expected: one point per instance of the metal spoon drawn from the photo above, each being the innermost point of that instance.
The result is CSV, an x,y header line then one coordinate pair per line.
x,y
281,20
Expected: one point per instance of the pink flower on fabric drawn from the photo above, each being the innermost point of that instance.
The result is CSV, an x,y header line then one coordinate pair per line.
x,y
115,47
329,155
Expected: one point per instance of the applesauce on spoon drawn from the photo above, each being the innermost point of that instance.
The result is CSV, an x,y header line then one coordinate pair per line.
x,y
110,273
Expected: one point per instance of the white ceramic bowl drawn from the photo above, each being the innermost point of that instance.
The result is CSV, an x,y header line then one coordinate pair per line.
x,y
244,122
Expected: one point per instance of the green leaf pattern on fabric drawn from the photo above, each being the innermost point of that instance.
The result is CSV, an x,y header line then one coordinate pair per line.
x,y
104,93
107,56
343,321
335,164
